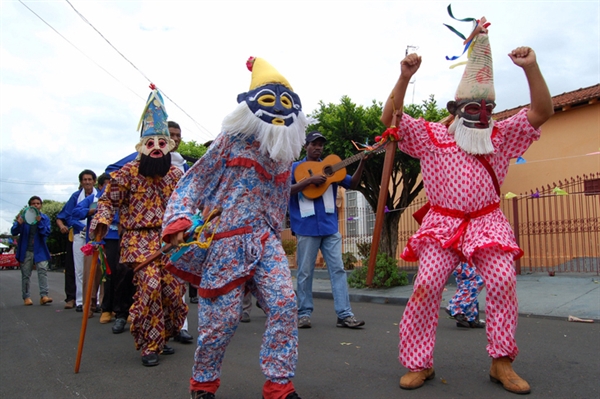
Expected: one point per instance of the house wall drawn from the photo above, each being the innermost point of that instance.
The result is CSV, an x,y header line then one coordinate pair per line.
x,y
559,154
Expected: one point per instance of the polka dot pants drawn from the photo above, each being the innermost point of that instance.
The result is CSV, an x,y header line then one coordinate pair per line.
x,y
420,319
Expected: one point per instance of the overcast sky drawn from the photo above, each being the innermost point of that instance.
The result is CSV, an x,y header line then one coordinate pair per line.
x,y
69,101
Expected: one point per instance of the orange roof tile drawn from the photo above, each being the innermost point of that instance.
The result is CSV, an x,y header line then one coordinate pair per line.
x,y
571,98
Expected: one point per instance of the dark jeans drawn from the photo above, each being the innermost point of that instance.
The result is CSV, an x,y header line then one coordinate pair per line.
x,y
192,290
70,287
123,290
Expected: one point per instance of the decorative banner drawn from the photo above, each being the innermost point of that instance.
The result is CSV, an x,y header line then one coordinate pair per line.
x,y
510,195
468,43
520,161
559,191
536,194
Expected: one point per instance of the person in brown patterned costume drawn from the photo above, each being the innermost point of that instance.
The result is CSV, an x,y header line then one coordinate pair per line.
x,y
140,191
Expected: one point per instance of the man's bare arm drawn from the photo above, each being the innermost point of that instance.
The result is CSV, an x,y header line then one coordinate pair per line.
x,y
395,102
541,108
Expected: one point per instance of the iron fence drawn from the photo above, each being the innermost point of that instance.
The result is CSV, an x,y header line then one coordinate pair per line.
x,y
558,227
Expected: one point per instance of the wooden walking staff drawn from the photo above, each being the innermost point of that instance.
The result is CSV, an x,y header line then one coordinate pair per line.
x,y
87,308
388,164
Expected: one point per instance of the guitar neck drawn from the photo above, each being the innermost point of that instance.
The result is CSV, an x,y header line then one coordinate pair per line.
x,y
348,161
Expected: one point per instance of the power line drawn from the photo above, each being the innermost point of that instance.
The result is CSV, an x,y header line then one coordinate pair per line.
x,y
38,183
46,192
12,203
136,68
198,125
77,48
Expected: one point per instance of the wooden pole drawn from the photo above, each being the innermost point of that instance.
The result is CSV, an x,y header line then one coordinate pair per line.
x,y
87,308
388,164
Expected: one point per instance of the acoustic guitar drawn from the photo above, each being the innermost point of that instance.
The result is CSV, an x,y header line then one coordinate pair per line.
x,y
331,167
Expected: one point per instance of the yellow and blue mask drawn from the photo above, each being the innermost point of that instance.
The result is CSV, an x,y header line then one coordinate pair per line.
x,y
273,103
271,97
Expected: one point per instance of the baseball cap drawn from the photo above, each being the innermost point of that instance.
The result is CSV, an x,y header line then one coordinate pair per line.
x,y
312,136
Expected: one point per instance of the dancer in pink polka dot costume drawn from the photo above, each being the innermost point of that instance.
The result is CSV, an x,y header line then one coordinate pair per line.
x,y
463,166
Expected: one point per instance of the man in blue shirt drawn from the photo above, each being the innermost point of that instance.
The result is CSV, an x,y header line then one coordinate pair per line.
x,y
86,210
314,222
32,249
87,180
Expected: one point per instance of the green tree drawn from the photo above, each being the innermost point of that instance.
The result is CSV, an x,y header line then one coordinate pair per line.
x,y
191,149
56,241
346,122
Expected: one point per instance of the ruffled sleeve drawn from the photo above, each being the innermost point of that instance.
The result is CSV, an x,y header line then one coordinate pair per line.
x,y
419,137
515,135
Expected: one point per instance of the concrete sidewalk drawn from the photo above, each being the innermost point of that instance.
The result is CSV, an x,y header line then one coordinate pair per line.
x,y
539,295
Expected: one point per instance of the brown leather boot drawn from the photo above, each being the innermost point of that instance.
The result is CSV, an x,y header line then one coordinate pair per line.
x,y
45,299
416,379
503,373
105,317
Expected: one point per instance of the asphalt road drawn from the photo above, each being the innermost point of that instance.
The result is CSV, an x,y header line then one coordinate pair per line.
x,y
38,347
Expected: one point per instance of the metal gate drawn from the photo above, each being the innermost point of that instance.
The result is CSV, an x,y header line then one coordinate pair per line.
x,y
558,226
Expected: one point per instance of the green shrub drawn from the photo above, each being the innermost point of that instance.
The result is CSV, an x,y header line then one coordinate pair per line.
x,y
349,260
364,249
57,242
289,246
386,274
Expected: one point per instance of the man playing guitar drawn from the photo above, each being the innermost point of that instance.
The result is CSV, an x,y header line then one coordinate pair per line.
x,y
315,224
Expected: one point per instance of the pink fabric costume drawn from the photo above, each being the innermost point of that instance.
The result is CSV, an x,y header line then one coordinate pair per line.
x,y
465,223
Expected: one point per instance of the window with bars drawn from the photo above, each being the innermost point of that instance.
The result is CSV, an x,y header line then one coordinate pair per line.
x,y
352,214
370,220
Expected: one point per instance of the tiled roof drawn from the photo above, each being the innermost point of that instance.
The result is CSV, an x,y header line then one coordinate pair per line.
x,y
569,99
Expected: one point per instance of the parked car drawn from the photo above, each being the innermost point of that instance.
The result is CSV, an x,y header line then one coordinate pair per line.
x,y
8,261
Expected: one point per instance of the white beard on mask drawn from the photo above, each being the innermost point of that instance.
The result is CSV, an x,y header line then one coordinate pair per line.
x,y
475,141
280,143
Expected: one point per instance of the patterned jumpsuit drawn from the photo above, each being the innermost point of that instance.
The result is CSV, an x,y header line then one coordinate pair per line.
x,y
465,223
253,192
158,311
468,286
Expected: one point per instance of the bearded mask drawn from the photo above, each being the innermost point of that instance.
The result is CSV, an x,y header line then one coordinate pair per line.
x,y
270,111
155,146
475,96
474,113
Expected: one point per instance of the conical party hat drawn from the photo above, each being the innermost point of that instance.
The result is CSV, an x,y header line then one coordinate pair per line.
x,y
264,73
477,81
154,117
